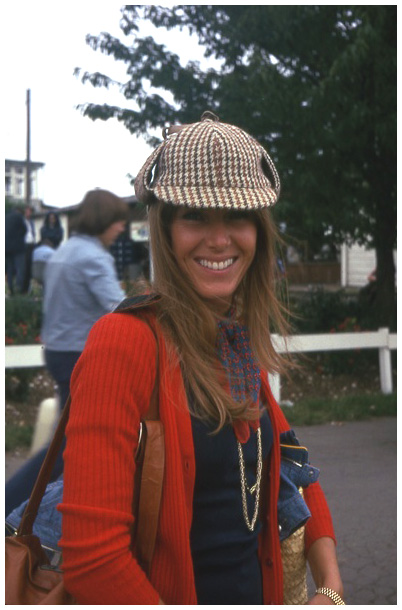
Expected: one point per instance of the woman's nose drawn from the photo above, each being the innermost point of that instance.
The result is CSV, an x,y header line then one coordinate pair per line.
x,y
218,235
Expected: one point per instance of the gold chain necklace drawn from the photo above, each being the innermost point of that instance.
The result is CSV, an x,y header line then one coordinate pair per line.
x,y
255,489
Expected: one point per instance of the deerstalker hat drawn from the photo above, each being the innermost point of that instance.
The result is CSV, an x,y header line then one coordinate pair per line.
x,y
209,164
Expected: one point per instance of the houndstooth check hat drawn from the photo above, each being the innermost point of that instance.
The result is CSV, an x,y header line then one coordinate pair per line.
x,y
209,164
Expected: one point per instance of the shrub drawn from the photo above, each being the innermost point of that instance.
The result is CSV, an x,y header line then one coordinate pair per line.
x,y
23,317
17,383
319,311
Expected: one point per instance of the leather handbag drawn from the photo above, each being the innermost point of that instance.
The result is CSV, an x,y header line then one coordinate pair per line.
x,y
30,578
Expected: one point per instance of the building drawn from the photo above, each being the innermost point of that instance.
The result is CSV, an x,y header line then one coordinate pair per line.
x,y
357,263
15,181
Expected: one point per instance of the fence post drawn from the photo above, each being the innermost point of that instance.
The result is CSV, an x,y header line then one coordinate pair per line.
x,y
275,385
45,423
384,354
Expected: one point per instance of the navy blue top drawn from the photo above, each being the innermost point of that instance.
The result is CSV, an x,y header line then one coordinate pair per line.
x,y
224,551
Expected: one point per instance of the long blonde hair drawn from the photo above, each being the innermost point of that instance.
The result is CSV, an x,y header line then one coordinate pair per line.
x,y
192,327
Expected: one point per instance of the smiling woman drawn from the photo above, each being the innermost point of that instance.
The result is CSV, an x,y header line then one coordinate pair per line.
x,y
202,336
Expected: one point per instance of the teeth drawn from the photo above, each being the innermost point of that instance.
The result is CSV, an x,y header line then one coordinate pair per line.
x,y
215,265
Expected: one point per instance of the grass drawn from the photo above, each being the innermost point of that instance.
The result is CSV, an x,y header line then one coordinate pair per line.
x,y
357,407
307,412
18,437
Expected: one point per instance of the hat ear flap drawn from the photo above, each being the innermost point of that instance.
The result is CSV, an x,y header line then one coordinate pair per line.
x,y
267,165
145,177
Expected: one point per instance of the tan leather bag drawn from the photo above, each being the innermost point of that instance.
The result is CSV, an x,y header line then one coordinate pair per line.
x,y
30,578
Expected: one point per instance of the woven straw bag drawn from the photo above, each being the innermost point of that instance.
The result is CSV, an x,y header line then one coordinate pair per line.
x,y
294,569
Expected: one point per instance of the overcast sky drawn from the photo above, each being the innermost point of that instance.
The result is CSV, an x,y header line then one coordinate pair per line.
x,y
42,44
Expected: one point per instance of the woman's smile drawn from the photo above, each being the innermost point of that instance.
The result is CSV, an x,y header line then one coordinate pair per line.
x,y
217,266
214,249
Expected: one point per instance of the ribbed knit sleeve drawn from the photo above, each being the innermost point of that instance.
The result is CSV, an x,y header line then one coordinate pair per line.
x,y
110,388
320,523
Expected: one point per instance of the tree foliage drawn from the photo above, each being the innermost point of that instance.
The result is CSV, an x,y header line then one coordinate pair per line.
x,y
316,85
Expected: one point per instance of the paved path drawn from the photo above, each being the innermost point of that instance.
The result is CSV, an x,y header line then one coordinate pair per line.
x,y
358,474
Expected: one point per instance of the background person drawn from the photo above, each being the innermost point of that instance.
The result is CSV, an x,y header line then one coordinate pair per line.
x,y
15,230
129,256
40,257
80,286
213,249
30,238
52,229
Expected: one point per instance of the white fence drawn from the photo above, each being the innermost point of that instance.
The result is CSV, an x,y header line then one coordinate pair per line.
x,y
382,340
30,356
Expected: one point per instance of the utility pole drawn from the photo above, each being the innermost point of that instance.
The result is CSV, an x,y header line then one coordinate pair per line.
x,y
28,158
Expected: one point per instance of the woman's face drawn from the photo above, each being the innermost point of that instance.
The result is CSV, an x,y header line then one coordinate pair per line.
x,y
214,249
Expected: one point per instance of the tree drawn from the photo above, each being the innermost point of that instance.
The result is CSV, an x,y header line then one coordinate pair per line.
x,y
316,85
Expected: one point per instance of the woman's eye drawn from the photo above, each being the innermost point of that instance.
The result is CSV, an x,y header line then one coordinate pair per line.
x,y
239,215
192,215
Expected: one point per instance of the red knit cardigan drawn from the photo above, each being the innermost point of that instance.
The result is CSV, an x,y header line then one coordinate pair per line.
x,y
111,388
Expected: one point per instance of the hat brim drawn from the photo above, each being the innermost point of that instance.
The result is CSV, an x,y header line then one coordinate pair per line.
x,y
215,197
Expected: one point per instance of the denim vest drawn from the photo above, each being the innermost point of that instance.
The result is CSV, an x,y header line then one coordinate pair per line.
x,y
296,473
47,524
293,512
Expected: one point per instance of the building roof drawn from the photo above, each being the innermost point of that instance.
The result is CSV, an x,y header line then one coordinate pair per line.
x,y
13,163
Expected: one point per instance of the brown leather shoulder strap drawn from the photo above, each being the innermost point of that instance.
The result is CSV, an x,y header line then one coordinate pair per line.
x,y
150,475
31,510
150,493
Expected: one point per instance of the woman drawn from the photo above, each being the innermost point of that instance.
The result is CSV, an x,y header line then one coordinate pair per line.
x,y
80,286
52,230
213,251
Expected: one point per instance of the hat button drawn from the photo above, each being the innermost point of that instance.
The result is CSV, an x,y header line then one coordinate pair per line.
x,y
209,116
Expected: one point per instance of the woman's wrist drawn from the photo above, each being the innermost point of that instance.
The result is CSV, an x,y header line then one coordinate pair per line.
x,y
333,583
333,595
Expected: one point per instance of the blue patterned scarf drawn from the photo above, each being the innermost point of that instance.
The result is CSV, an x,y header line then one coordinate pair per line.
x,y
243,373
